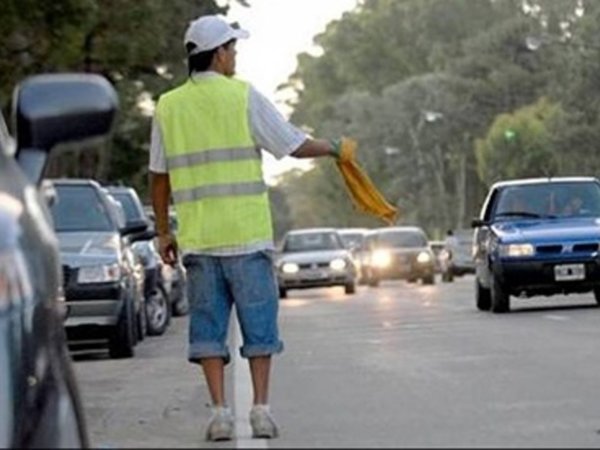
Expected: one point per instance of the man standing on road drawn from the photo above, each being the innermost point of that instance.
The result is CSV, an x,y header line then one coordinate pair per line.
x,y
205,154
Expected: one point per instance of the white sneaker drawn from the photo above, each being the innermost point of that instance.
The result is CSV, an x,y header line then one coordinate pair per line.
x,y
221,425
262,423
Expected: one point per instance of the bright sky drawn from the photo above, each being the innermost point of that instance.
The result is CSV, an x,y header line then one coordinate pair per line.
x,y
279,30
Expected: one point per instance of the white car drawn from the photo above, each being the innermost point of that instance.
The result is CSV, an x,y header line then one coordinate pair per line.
x,y
314,257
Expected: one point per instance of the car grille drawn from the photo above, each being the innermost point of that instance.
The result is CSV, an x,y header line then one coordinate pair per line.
x,y
588,247
548,249
320,265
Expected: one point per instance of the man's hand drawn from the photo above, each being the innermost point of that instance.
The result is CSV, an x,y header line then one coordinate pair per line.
x,y
167,248
343,149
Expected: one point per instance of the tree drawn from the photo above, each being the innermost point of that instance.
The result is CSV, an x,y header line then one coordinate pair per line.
x,y
520,145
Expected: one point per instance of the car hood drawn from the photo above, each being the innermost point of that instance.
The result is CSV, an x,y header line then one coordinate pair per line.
x,y
548,230
312,257
83,248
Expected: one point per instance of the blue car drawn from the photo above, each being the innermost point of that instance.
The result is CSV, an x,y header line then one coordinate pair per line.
x,y
537,237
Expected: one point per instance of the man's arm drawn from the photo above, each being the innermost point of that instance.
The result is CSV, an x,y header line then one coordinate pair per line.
x,y
312,148
160,188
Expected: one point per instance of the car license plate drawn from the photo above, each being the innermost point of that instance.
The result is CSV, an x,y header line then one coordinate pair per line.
x,y
315,275
569,272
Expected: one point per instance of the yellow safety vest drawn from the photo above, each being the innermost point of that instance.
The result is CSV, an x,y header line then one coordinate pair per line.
x,y
214,165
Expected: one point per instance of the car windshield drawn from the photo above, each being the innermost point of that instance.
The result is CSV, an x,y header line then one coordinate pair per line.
x,y
79,208
306,242
549,200
352,240
408,239
132,212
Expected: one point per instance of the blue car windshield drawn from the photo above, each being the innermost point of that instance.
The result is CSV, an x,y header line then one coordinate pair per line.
x,y
548,200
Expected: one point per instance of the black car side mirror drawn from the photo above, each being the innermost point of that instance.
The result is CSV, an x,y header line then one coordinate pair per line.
x,y
145,235
57,108
134,227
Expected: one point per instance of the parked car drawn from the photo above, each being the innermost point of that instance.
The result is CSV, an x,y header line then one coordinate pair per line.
x,y
399,253
530,240
175,276
100,283
354,240
314,257
156,297
457,256
40,405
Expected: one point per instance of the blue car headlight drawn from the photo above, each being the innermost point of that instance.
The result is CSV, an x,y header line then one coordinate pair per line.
x,y
516,250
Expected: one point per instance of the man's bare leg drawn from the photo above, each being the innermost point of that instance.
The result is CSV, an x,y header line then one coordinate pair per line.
x,y
260,369
214,372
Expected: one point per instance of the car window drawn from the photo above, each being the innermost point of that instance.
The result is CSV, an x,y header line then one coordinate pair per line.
x,y
132,212
69,215
312,242
352,240
568,199
408,239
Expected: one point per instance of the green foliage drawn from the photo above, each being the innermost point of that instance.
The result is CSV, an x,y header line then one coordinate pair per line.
x,y
507,110
529,152
137,45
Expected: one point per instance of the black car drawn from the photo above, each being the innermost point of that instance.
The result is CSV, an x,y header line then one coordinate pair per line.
x,y
103,292
156,294
537,236
399,253
39,401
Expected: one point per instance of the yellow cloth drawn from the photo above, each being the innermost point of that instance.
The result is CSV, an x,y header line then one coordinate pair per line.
x,y
363,192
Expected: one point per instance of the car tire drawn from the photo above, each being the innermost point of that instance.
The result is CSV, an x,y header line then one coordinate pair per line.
x,y
142,324
122,340
350,288
430,279
373,281
282,293
447,277
500,299
482,297
158,312
597,295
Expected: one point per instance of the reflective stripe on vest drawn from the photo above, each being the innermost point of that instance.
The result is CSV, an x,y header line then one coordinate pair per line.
x,y
212,156
214,166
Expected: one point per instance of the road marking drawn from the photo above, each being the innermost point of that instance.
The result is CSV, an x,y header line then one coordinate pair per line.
x,y
242,393
556,317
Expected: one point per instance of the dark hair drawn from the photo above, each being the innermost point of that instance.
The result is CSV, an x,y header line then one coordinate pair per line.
x,y
200,62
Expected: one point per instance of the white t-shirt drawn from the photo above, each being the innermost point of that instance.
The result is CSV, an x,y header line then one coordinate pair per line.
x,y
270,131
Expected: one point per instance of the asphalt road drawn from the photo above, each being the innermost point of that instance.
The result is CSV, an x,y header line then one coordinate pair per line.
x,y
402,365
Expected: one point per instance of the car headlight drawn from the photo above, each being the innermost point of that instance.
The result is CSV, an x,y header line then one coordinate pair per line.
x,y
99,274
382,258
290,268
338,264
423,257
516,250
15,282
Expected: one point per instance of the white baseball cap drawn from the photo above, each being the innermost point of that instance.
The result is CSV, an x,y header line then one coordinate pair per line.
x,y
210,32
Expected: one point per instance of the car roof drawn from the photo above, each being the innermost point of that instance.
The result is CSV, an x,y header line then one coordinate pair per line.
x,y
404,228
352,230
312,230
74,182
120,189
524,181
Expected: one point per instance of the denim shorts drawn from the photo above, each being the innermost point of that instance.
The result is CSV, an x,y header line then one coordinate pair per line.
x,y
215,284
